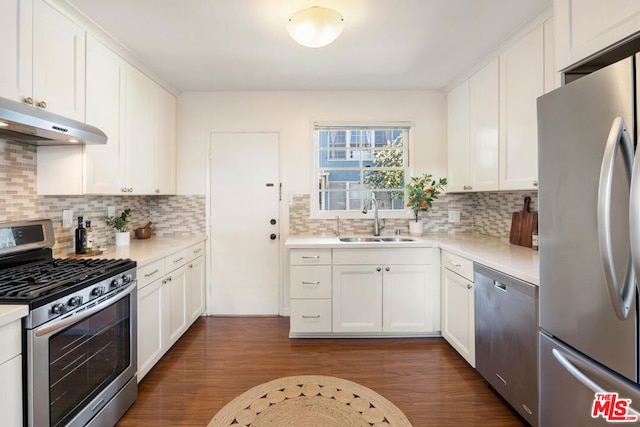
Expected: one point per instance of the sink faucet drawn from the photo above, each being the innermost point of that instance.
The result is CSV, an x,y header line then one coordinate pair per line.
x,y
376,222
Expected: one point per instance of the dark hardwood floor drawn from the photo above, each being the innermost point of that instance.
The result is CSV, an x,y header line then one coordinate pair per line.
x,y
221,357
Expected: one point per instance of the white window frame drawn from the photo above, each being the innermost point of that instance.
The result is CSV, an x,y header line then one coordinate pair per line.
x,y
315,212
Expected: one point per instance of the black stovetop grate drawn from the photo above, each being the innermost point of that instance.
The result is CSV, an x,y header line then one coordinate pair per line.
x,y
39,279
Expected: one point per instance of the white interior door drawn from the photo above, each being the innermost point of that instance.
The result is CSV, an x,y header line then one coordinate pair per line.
x,y
244,197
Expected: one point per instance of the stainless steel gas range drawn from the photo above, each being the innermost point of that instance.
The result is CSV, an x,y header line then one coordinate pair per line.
x,y
79,337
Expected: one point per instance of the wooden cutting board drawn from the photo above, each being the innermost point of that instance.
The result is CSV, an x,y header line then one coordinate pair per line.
x,y
522,224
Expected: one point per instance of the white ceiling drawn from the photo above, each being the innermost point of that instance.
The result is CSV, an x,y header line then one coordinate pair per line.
x,y
199,45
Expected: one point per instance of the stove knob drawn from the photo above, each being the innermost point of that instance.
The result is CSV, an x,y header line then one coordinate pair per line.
x,y
96,292
127,278
75,301
57,308
116,283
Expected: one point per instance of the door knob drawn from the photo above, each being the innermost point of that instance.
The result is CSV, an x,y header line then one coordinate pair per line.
x,y
273,236
273,221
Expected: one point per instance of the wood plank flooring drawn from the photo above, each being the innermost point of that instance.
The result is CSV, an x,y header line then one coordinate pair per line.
x,y
219,358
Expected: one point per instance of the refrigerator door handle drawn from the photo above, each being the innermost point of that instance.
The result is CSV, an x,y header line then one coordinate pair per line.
x,y
621,296
584,379
634,215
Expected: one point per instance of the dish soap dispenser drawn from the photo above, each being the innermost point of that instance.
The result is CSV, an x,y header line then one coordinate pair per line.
x,y
80,237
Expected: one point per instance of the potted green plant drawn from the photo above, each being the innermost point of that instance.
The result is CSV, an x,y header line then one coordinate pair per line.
x,y
120,223
421,191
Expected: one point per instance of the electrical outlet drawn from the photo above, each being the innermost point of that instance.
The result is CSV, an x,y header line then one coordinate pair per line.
x,y
67,218
111,210
454,216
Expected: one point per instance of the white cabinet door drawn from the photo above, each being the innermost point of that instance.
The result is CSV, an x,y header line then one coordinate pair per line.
x,y
58,63
165,142
11,392
150,327
357,298
16,45
196,287
175,302
106,71
585,27
140,103
483,125
458,176
521,83
410,300
458,324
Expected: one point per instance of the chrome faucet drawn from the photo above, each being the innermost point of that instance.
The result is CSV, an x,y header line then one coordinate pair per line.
x,y
376,222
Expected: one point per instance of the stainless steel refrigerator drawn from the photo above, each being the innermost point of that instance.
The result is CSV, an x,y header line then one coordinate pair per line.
x,y
589,225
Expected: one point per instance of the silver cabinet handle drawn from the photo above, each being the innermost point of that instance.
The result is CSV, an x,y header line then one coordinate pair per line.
x,y
378,268
311,283
317,316
197,250
41,104
387,269
501,379
152,273
178,260
455,264
535,184
28,100
621,295
310,256
469,286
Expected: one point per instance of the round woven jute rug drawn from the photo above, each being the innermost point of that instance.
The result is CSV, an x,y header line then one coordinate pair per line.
x,y
310,401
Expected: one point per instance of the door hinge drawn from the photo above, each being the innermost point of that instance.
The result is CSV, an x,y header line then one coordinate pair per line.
x,y
280,192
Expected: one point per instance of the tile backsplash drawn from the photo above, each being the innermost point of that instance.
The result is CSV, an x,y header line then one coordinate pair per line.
x,y
171,215
487,213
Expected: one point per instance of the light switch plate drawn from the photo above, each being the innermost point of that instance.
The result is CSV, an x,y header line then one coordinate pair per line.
x,y
111,210
454,216
67,218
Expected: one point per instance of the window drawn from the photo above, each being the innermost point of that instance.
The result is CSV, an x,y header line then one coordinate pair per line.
x,y
356,163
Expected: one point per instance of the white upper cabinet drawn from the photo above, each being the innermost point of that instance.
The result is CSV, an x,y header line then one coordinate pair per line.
x,y
483,127
16,47
165,144
106,71
458,176
585,27
45,58
521,83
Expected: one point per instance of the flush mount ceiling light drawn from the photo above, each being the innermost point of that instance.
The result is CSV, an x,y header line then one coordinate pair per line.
x,y
316,26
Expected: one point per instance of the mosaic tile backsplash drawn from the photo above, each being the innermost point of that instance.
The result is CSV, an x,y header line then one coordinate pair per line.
x,y
487,213
171,215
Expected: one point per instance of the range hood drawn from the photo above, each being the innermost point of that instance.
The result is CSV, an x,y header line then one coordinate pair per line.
x,y
30,125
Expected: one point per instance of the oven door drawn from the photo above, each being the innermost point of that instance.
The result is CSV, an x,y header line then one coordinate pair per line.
x,y
77,364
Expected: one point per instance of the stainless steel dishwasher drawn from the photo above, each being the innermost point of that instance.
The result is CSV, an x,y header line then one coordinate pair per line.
x,y
506,316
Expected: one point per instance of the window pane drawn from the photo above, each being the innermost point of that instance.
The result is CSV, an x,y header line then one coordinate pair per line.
x,y
355,164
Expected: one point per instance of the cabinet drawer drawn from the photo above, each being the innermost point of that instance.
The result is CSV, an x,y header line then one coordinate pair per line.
x,y
310,315
150,272
397,256
458,264
175,260
11,339
311,281
310,257
194,251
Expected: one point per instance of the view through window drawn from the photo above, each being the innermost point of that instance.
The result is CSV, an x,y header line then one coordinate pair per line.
x,y
356,163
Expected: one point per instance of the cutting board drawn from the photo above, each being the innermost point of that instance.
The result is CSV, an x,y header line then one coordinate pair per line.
x,y
522,224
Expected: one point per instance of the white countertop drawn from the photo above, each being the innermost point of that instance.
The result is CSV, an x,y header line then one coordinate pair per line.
x,y
12,312
149,250
495,253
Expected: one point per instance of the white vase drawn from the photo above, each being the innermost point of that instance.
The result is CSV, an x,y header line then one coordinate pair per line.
x,y
416,228
122,238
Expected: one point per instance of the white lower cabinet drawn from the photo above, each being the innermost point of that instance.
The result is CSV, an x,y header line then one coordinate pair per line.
x,y
171,296
11,374
458,312
365,291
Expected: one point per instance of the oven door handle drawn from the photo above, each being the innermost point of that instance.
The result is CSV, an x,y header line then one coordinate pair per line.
x,y
79,316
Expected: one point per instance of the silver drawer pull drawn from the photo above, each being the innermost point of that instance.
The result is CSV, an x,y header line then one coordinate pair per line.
x,y
152,273
526,408
178,260
311,257
455,264
317,316
197,250
499,286
501,379
311,283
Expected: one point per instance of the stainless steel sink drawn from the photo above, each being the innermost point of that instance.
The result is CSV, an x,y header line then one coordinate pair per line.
x,y
376,239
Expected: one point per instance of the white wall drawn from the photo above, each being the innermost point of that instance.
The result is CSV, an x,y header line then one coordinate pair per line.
x,y
292,115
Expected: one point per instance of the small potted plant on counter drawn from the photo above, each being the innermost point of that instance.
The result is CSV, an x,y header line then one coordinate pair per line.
x,y
421,192
120,224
